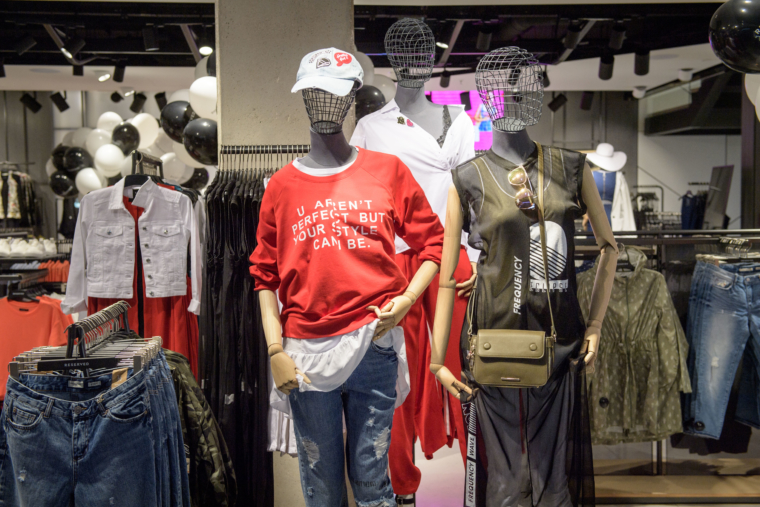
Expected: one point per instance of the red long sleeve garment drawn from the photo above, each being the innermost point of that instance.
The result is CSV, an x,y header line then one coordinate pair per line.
x,y
327,242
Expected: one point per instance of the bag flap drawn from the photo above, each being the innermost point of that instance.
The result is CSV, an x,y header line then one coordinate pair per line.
x,y
511,343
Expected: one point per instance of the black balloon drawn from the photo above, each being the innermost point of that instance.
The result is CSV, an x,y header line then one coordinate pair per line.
x,y
174,118
126,137
58,153
199,179
200,140
368,100
62,185
735,35
211,64
76,158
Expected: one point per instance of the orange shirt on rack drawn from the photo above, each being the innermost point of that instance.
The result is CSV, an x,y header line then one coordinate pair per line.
x,y
28,325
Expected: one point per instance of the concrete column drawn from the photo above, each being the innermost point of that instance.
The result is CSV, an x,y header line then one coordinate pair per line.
x,y
259,46
750,174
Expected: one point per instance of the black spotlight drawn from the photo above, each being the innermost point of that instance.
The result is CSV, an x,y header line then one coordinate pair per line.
x,y
160,100
31,103
118,72
445,79
24,44
71,48
77,70
606,65
60,101
2,68
116,97
545,78
641,62
485,33
587,98
464,99
617,36
138,102
150,38
558,101
573,36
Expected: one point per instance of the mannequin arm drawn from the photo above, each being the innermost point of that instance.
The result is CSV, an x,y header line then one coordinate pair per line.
x,y
605,275
396,309
283,368
446,293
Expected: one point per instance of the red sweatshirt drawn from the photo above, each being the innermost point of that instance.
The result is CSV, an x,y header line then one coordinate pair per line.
x,y
327,242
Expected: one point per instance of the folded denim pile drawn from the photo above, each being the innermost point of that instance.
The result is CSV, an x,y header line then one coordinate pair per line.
x,y
16,247
94,440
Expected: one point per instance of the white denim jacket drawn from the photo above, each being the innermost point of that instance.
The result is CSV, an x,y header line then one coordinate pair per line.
x,y
103,255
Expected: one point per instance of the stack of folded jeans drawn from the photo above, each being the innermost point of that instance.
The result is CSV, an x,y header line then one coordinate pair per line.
x,y
723,328
100,440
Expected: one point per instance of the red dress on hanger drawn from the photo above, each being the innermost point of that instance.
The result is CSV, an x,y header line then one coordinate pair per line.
x,y
165,317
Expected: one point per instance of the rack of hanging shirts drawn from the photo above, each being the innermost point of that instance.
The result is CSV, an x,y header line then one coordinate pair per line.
x,y
18,199
232,350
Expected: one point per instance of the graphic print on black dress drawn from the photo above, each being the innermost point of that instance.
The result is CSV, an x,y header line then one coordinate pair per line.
x,y
556,258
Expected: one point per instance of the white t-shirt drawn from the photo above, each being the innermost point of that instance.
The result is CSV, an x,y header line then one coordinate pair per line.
x,y
389,131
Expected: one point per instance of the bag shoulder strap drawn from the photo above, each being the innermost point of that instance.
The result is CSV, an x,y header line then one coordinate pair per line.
x,y
542,227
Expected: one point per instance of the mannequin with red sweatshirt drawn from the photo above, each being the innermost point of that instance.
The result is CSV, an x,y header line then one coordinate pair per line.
x,y
326,243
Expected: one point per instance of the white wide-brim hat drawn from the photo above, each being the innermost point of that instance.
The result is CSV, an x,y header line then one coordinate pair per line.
x,y
607,158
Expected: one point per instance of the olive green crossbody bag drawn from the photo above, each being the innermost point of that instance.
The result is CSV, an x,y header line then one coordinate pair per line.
x,y
514,357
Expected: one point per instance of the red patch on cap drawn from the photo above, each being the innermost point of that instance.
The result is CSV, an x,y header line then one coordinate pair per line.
x,y
342,58
409,123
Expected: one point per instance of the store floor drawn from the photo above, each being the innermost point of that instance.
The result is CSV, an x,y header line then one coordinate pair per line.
x,y
442,478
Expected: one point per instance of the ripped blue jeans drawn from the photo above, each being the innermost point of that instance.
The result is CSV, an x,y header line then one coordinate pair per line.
x,y
367,400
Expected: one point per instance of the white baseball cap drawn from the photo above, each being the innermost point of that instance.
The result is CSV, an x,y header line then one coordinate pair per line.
x,y
331,70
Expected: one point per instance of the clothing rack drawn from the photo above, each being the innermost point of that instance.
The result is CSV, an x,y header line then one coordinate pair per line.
x,y
22,280
91,332
266,158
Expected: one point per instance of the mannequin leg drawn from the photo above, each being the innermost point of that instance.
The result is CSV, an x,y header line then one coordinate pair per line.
x,y
462,273
370,398
318,422
421,415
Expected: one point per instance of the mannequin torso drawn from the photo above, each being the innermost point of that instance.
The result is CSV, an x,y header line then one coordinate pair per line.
x,y
414,105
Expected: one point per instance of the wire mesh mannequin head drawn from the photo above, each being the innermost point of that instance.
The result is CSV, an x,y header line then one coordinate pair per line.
x,y
410,46
510,84
327,111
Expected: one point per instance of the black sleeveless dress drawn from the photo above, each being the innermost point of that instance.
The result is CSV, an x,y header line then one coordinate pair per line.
x,y
533,446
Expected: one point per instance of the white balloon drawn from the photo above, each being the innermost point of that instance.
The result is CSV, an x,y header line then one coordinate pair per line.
x,y
386,86
126,167
96,139
108,121
103,178
367,66
88,180
154,150
50,167
752,84
174,169
67,139
203,96
108,159
183,94
163,141
147,126
200,69
80,137
184,156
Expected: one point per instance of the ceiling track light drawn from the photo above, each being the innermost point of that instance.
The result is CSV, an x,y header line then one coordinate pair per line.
x,y
485,34
445,79
557,102
617,37
150,38
60,101
442,45
24,44
573,36
118,72
72,47
545,78
77,70
160,100
587,100
685,75
639,92
31,102
641,62
464,99
104,76
116,97
606,66
2,68
205,43
138,102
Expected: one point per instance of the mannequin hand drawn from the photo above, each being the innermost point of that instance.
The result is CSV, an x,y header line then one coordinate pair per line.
x,y
447,379
591,346
585,221
466,287
390,315
284,372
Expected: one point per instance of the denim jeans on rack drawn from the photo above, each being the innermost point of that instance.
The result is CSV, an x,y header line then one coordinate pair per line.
x,y
723,321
